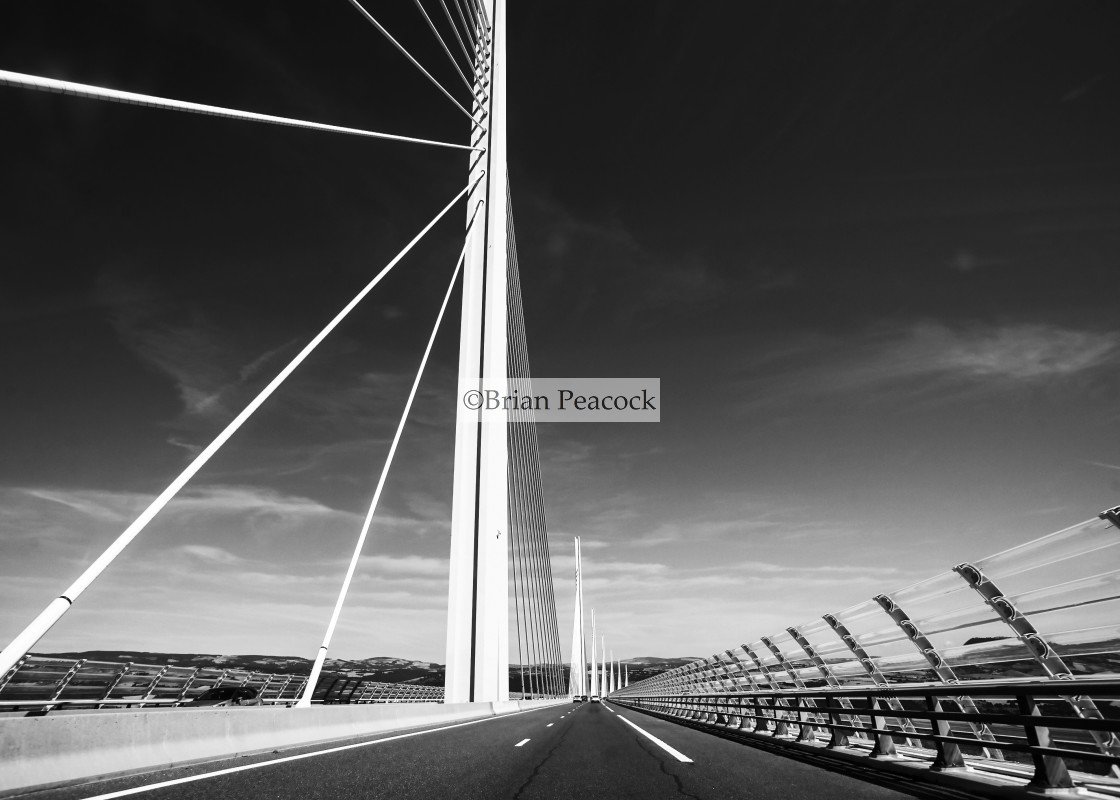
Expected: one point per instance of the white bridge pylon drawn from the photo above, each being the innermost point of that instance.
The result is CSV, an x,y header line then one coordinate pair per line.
x,y
478,591
578,674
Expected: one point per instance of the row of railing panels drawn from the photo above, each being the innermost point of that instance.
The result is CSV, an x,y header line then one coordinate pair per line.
x,y
43,683
1012,623
1029,730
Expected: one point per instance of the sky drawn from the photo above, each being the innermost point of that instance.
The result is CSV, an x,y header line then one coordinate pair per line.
x,y
871,250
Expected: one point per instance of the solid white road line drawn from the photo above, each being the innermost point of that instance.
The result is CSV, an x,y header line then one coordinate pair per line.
x,y
677,754
521,742
261,764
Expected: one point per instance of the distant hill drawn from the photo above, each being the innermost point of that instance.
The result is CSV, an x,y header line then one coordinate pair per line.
x,y
383,668
386,668
659,661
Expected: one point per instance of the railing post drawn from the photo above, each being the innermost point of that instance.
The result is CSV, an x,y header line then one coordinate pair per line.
x,y
154,683
948,753
113,683
884,744
1050,772
807,733
187,684
838,736
60,687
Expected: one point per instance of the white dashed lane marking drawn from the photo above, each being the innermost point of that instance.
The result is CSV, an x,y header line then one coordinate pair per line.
x,y
677,754
525,740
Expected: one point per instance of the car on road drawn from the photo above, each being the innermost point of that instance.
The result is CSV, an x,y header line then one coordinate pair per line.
x,y
595,698
579,698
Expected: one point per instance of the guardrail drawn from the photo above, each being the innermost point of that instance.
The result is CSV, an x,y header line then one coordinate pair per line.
x,y
44,683
1029,728
1037,625
367,689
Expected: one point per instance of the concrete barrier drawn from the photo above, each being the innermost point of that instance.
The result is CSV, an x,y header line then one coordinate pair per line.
x,y
51,751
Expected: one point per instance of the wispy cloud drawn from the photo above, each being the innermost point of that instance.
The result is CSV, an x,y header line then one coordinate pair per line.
x,y
927,360
206,553
1017,352
204,362
1103,465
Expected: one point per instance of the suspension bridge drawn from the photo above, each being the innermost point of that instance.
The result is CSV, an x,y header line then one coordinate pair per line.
x,y
996,678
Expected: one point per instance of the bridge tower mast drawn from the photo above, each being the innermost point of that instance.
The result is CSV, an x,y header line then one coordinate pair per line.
x,y
478,606
578,674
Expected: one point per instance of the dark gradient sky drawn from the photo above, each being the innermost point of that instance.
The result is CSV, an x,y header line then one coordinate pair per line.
x,y
872,250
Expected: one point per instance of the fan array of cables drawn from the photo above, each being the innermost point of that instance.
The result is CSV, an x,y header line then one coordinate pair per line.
x,y
540,663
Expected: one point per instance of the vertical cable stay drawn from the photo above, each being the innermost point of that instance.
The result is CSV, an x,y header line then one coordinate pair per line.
x,y
534,463
59,606
474,91
531,559
321,656
408,55
542,584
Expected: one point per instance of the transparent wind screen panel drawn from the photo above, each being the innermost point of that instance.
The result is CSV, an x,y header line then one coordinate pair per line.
x,y
792,651
778,674
726,676
1087,548
1003,657
962,619
1064,620
824,641
944,593
958,627
748,667
1086,602
830,649
870,626
910,667
1090,651
851,673
896,647
804,669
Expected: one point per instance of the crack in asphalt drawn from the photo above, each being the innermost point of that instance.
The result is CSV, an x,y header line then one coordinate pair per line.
x,y
647,747
541,763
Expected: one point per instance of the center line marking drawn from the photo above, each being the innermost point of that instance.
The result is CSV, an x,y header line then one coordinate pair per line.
x,y
521,742
549,725
677,754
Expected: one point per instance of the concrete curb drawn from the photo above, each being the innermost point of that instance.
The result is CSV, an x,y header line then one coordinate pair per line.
x,y
51,751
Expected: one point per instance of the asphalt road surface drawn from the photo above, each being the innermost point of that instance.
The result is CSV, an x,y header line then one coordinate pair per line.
x,y
580,751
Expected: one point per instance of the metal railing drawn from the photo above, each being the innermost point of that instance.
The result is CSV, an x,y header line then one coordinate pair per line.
x,y
42,683
926,666
351,689
1030,724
